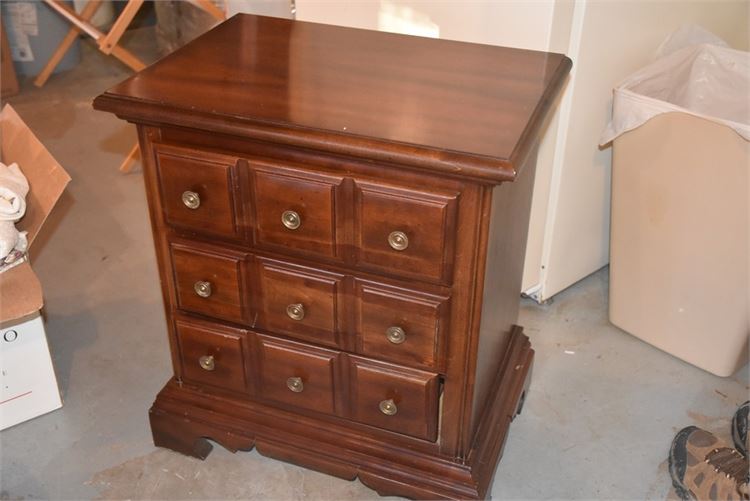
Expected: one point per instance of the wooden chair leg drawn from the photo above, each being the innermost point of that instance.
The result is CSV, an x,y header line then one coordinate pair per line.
x,y
73,18
87,13
130,160
110,40
128,58
120,53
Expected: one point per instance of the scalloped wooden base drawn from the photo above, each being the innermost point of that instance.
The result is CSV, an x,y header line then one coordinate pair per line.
x,y
183,418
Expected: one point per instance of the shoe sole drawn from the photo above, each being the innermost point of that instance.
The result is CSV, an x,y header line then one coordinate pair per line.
x,y
739,427
678,462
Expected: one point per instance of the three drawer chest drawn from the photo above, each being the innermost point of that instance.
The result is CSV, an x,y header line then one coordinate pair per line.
x,y
340,220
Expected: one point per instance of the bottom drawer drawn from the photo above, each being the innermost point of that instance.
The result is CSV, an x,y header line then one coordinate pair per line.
x,y
394,398
296,374
213,355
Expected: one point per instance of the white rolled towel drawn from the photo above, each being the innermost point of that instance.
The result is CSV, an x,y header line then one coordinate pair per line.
x,y
13,190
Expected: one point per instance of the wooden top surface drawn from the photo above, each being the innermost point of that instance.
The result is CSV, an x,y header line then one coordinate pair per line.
x,y
462,108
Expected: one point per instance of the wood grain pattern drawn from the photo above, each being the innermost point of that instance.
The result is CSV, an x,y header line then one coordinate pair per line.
x,y
279,360
212,177
470,247
183,415
513,377
223,271
313,197
317,293
427,219
421,316
360,134
505,251
226,347
413,393
437,104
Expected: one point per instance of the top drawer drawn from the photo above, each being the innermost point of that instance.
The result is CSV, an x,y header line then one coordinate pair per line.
x,y
198,190
296,209
406,231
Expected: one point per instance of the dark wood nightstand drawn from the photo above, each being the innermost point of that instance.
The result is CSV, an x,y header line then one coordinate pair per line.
x,y
340,219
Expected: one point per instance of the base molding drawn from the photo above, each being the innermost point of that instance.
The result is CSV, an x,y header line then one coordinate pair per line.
x,y
182,419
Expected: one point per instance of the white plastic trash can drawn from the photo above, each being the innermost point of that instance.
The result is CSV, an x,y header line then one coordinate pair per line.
x,y
680,223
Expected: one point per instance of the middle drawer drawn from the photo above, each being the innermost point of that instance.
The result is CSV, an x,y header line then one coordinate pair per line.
x,y
299,301
387,321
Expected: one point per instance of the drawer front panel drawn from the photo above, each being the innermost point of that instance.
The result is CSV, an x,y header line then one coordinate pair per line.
x,y
405,231
198,191
213,355
209,282
296,210
394,398
296,374
299,301
401,325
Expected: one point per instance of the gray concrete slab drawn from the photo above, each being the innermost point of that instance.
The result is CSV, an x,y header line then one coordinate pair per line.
x,y
597,424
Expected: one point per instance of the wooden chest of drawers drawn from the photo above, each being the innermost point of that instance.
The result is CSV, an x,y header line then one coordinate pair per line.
x,y
340,219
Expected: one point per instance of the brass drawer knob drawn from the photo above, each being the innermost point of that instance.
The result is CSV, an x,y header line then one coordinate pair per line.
x,y
296,311
395,335
203,289
291,219
398,240
191,199
388,407
295,384
207,362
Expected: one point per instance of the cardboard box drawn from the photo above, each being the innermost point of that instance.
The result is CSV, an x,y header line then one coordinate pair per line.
x,y
28,386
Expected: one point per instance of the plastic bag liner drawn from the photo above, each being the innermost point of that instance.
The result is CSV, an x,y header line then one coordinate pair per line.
x,y
708,81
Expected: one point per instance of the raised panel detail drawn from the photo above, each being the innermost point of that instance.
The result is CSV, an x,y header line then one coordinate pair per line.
x,y
299,301
210,282
213,355
296,374
405,230
394,398
296,209
197,190
401,325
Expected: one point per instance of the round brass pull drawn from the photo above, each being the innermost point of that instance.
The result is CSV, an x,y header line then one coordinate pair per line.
x,y
291,219
295,384
207,362
203,289
395,335
388,407
398,240
296,311
191,199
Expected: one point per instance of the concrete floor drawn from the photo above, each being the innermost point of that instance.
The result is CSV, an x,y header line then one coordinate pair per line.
x,y
597,423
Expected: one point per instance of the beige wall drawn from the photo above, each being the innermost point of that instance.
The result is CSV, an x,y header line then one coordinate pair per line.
x,y
515,23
